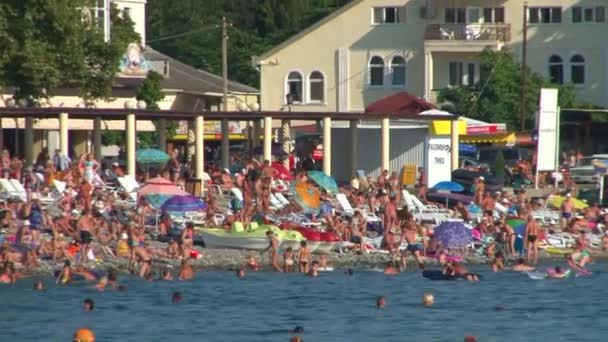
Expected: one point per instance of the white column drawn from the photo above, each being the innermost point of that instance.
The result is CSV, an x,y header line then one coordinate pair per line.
x,y
97,138
385,145
286,141
428,75
354,142
63,133
200,146
131,142
454,144
28,141
327,145
268,138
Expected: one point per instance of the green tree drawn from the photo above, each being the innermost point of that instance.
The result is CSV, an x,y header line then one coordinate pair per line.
x,y
151,92
497,95
50,44
499,167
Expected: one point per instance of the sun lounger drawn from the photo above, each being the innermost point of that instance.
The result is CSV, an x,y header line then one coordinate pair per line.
x,y
7,188
424,213
275,203
347,209
19,189
282,198
129,185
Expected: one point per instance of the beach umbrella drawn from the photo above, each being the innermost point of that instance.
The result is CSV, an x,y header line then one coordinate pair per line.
x,y
182,204
159,185
157,200
448,186
453,234
324,181
151,156
307,196
282,172
556,202
514,223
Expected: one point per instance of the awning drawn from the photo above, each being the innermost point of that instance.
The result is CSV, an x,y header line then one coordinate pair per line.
x,y
507,138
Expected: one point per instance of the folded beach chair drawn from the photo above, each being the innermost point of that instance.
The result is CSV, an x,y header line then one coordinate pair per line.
x,y
7,188
347,209
129,185
282,198
19,189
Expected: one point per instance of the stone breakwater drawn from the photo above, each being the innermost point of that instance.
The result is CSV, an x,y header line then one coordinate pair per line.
x,y
232,259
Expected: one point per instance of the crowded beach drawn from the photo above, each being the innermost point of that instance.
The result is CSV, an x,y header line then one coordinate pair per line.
x,y
81,220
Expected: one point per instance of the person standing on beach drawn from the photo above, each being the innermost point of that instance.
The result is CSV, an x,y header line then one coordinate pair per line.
x,y
304,257
390,214
84,225
413,246
531,239
273,246
567,208
488,205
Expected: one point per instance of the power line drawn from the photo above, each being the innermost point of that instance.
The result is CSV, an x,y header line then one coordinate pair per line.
x,y
183,34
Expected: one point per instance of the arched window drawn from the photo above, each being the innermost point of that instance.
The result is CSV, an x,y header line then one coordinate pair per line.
x,y
376,71
556,70
577,69
294,86
316,87
398,71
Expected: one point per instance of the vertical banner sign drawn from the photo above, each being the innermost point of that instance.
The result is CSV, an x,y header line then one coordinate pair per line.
x,y
547,130
438,159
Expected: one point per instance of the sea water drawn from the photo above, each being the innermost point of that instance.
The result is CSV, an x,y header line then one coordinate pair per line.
x,y
217,306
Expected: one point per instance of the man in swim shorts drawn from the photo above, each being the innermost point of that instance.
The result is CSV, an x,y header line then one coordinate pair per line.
x,y
567,208
413,246
85,224
531,239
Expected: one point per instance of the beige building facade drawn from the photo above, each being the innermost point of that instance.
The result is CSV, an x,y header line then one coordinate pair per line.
x,y
372,48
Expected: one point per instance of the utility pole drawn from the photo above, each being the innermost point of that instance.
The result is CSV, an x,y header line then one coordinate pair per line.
x,y
225,146
524,72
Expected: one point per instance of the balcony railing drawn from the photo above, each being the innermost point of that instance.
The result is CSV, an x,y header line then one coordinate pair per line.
x,y
493,31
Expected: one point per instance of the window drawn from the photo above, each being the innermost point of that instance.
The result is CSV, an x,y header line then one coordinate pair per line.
x,y
294,86
462,74
398,71
577,69
556,70
455,15
316,86
474,15
376,71
494,15
588,14
544,15
388,15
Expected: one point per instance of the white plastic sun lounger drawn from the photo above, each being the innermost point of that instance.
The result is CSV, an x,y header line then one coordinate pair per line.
x,y
282,198
423,212
347,209
19,189
7,188
275,203
129,185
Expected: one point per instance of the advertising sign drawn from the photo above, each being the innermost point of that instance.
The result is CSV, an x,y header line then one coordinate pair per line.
x,y
438,159
547,130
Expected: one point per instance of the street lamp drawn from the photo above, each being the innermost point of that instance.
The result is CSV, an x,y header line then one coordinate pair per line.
x,y
290,99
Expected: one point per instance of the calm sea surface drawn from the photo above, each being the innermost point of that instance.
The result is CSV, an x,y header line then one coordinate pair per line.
x,y
334,307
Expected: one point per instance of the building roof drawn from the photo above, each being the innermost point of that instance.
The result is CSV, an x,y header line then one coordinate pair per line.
x,y
311,28
181,76
401,102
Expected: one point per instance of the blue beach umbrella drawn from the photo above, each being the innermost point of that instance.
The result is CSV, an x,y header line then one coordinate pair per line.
x,y
151,156
324,181
182,204
448,186
157,200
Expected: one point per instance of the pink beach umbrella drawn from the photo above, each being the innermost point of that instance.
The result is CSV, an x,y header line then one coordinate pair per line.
x,y
159,185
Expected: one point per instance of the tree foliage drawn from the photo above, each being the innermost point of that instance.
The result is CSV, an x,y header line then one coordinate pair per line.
x,y
497,95
151,92
49,44
257,25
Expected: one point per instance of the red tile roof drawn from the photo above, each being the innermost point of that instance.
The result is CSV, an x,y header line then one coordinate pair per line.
x,y
402,102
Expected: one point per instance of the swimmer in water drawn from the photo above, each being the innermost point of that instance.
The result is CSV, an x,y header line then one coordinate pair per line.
x,y
297,330
176,298
288,260
472,277
380,302
88,304
497,263
186,272
349,272
314,269
166,275
391,269
66,273
240,273
252,263
102,283
557,273
521,266
38,285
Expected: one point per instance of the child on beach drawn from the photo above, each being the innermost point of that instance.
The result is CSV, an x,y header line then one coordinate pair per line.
x,y
273,246
288,260
252,263
304,257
